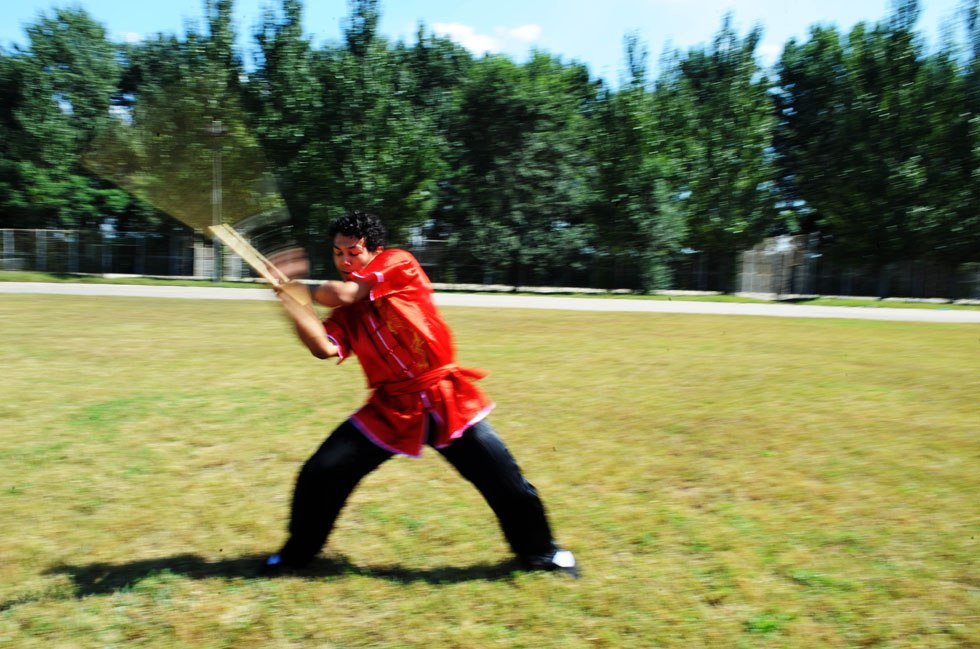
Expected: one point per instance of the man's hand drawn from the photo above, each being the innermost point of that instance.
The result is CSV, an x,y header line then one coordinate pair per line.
x,y
295,298
294,290
293,262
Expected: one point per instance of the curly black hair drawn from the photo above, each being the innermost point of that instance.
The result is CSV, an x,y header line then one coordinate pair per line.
x,y
357,223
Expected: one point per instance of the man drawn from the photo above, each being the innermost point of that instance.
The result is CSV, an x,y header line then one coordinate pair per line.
x,y
383,313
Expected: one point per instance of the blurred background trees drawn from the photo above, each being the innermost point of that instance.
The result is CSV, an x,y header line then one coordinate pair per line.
x,y
54,98
526,173
719,105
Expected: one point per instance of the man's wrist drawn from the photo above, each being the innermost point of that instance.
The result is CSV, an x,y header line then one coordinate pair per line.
x,y
297,291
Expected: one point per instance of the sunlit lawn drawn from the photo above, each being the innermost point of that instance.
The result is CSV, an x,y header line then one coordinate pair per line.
x,y
724,481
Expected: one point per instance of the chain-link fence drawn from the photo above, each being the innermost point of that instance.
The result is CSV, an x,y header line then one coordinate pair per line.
x,y
780,266
80,251
689,271
787,266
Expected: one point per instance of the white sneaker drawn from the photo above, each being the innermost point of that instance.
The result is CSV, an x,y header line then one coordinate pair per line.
x,y
561,561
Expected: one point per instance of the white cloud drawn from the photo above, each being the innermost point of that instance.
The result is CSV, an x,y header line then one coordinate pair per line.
x,y
524,33
503,38
130,37
467,37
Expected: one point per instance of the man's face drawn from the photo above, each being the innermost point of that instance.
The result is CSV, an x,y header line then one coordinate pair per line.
x,y
351,255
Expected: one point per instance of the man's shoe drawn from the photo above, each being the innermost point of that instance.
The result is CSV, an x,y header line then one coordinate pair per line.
x,y
275,566
560,561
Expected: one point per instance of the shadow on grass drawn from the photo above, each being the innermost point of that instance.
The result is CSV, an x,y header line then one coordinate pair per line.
x,y
106,578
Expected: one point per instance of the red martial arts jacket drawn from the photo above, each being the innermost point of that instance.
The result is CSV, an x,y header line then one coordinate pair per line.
x,y
406,351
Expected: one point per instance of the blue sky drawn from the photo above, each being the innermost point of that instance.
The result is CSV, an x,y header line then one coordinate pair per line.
x,y
589,31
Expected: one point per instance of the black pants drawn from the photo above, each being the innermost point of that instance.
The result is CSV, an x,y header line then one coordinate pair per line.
x,y
332,473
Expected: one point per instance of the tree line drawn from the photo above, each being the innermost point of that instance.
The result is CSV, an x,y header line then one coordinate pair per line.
x,y
535,172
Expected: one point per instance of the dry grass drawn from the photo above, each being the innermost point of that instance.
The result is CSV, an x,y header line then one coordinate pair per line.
x,y
725,482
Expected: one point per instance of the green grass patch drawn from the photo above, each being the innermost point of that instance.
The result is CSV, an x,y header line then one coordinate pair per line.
x,y
724,481
856,302
896,303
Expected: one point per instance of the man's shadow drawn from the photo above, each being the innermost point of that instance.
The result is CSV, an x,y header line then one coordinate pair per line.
x,y
106,578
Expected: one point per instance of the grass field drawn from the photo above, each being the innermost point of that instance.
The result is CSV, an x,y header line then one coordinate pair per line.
x,y
724,482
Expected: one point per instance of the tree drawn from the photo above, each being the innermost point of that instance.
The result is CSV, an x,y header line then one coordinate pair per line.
x,y
284,104
718,101
946,225
380,153
964,242
339,127
637,225
811,99
873,137
15,209
184,114
520,171
436,70
59,93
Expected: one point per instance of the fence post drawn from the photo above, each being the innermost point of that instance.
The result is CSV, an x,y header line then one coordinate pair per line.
x,y
172,246
41,249
748,271
72,237
106,254
139,266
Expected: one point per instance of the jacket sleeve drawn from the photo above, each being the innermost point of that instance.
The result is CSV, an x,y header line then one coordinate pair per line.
x,y
394,272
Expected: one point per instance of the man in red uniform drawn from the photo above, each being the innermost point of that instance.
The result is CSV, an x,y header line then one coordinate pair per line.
x,y
383,313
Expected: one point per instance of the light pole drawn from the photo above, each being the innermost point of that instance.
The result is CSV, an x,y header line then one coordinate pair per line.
x,y
216,131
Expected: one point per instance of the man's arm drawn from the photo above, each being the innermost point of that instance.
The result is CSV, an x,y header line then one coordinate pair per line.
x,y
336,293
293,263
308,326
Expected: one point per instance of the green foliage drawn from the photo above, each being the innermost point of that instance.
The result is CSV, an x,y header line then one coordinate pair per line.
x,y
184,130
521,171
875,141
339,127
378,151
530,173
718,103
56,95
187,127
636,211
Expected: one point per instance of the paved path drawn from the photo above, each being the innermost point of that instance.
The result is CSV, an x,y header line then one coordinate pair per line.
x,y
529,302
